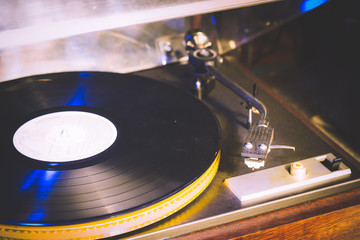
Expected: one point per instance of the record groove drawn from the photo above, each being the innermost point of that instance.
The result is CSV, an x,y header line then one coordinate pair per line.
x,y
167,143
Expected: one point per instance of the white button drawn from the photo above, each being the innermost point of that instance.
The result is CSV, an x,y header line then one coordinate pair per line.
x,y
297,169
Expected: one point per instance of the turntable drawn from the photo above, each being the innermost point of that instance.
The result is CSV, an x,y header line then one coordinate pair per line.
x,y
137,121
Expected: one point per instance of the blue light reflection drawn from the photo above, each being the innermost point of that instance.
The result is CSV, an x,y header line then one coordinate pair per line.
x,y
80,94
308,5
213,20
79,98
41,183
85,74
30,224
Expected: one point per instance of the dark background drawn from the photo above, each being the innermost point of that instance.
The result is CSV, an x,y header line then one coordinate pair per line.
x,y
313,63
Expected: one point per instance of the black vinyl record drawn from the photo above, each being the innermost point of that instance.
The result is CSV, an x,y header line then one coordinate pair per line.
x,y
165,140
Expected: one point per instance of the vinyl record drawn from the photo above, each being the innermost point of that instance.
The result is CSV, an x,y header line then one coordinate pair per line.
x,y
85,150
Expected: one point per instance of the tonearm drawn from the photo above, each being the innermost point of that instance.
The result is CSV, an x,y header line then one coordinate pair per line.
x,y
204,59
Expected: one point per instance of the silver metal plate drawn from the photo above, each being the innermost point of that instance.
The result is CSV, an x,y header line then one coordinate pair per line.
x,y
278,182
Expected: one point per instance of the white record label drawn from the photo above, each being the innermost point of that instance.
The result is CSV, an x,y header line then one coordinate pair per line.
x,y
65,136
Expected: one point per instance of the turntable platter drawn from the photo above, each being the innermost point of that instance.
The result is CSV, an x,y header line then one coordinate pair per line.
x,y
158,150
